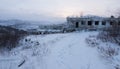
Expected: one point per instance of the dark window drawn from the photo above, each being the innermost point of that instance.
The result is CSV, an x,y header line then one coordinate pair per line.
x,y
77,24
89,22
103,23
96,22
111,23
119,23
112,17
82,23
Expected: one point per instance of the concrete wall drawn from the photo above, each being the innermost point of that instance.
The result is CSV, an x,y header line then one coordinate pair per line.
x,y
83,22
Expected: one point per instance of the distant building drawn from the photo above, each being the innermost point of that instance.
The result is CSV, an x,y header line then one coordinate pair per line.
x,y
91,22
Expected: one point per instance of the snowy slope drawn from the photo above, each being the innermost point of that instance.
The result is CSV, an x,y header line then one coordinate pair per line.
x,y
55,51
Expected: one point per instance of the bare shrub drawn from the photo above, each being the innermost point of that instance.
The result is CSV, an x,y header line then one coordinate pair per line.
x,y
110,34
91,41
108,51
117,66
9,37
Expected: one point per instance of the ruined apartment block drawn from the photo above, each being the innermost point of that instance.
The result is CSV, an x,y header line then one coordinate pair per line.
x,y
94,23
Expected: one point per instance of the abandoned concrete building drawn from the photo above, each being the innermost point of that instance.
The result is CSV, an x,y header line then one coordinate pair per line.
x,y
91,22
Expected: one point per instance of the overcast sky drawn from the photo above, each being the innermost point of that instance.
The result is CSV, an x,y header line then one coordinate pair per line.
x,y
55,9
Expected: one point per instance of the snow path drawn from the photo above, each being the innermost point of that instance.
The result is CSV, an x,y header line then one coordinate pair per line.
x,y
64,51
73,53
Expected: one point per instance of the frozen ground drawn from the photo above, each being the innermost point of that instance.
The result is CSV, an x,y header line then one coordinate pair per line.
x,y
55,51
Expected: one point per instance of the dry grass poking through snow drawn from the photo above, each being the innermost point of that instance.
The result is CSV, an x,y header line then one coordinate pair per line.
x,y
109,51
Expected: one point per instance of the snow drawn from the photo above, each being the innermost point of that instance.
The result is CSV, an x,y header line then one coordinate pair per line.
x,y
55,51
110,51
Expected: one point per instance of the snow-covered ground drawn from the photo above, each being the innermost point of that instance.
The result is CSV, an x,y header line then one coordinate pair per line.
x,y
54,51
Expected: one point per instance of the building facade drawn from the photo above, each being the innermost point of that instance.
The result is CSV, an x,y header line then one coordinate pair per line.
x,y
92,22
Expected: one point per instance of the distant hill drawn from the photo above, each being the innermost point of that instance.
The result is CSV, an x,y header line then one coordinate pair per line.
x,y
25,25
